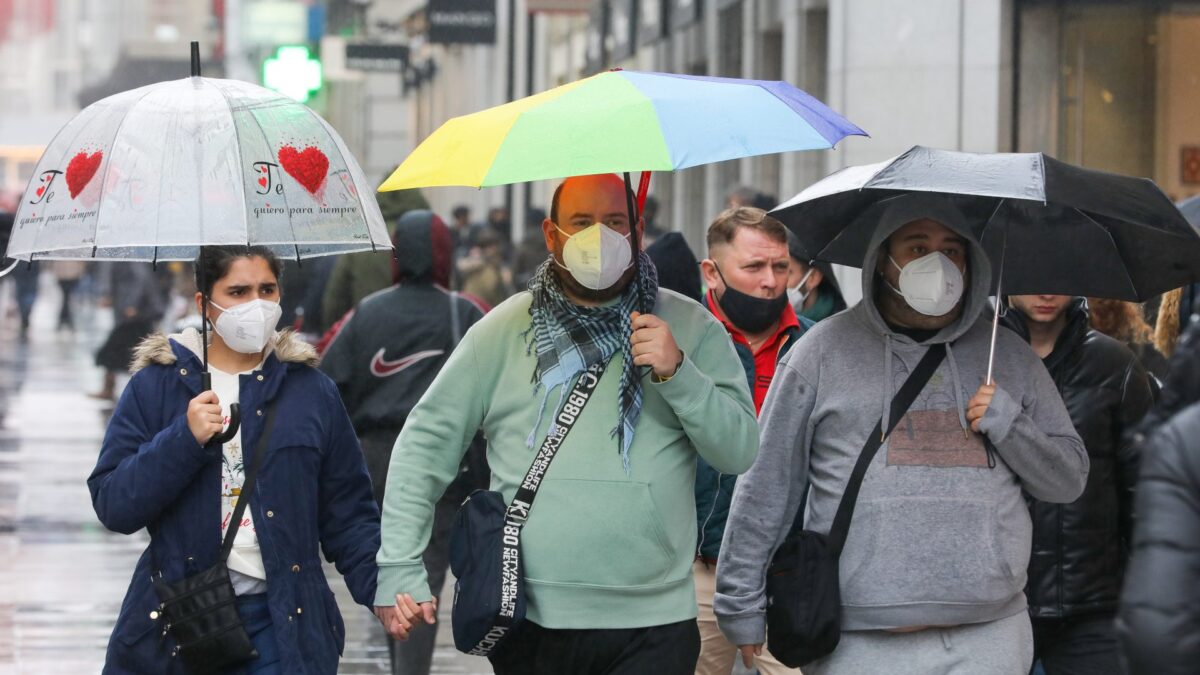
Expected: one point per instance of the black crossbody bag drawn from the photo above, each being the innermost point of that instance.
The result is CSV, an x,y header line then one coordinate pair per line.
x,y
201,610
485,544
804,599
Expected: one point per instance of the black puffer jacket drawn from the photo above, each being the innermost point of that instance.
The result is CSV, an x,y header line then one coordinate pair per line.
x,y
1080,549
1159,623
1181,386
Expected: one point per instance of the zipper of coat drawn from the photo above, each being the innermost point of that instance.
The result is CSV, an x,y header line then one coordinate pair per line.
x,y
1058,560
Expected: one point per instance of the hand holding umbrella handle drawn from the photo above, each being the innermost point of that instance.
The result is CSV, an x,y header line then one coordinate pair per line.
x,y
235,421
235,413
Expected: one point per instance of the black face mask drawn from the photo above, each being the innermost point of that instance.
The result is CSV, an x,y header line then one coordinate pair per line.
x,y
747,312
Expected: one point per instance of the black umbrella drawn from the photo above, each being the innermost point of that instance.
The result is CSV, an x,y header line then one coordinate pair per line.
x,y
1048,226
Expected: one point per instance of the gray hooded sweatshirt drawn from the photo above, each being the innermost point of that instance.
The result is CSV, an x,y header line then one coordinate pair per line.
x,y
938,538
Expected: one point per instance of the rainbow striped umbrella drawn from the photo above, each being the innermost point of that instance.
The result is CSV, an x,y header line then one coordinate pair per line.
x,y
621,121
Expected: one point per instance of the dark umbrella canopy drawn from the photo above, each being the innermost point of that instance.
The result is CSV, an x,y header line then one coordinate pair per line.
x,y
1049,227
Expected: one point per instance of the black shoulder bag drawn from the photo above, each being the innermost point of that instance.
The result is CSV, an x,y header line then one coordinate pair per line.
x,y
485,544
200,610
804,599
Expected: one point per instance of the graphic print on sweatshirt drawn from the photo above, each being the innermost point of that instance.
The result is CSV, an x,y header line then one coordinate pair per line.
x,y
931,433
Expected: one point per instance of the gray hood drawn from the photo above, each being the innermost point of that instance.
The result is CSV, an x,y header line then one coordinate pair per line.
x,y
891,215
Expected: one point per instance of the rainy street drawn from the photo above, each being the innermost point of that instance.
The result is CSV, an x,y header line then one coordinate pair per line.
x,y
62,575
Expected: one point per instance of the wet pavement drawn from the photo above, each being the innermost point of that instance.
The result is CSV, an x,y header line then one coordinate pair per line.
x,y
62,575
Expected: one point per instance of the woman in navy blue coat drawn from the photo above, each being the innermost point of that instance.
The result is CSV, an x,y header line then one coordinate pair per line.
x,y
159,470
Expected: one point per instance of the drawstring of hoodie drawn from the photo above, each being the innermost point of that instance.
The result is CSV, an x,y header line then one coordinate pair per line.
x,y
886,419
958,400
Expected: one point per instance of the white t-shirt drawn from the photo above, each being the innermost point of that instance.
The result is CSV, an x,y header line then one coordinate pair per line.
x,y
245,560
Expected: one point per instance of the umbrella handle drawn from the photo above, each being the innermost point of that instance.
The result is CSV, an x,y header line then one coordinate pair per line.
x,y
235,421
235,413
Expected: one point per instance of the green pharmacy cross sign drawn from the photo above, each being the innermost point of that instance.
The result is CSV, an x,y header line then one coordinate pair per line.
x,y
293,72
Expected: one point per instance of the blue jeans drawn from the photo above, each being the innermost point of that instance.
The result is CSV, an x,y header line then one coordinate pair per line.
x,y
256,617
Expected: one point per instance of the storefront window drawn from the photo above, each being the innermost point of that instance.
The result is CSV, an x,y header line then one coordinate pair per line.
x,y
1113,86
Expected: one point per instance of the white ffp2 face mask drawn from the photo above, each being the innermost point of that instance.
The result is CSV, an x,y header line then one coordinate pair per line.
x,y
596,256
931,284
247,327
798,293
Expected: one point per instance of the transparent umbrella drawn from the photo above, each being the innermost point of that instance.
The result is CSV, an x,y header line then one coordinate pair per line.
x,y
157,173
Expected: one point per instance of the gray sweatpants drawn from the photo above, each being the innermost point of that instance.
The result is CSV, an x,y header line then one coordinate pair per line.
x,y
1002,647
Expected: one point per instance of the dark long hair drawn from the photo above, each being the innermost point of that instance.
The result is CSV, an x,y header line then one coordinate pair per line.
x,y
214,262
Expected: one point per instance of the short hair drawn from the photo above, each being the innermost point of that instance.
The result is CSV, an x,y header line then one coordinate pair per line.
x,y
461,210
629,195
725,226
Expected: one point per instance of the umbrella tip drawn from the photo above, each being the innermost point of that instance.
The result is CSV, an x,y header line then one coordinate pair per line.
x,y
195,59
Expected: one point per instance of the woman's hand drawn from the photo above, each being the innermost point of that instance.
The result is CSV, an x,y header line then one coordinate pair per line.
x,y
204,417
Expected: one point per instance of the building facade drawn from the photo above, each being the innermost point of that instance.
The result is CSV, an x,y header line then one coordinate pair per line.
x,y
1108,84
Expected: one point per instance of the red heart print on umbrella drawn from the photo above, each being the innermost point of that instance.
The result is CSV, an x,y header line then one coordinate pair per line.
x,y
309,166
81,170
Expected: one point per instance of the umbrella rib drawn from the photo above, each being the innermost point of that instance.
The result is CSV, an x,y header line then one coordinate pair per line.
x,y
237,139
108,164
362,212
1108,233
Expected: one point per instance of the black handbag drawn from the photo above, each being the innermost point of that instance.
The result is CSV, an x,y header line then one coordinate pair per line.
x,y
804,599
201,611
485,544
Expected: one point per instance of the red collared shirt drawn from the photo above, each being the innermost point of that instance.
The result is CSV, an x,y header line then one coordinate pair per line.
x,y
768,352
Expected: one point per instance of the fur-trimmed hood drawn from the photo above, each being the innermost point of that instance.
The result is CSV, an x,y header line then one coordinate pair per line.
x,y
156,349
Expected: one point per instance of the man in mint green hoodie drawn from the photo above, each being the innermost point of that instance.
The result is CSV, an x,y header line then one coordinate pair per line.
x,y
607,549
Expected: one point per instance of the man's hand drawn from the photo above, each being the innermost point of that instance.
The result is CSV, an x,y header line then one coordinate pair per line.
x,y
204,417
653,345
748,654
978,405
408,613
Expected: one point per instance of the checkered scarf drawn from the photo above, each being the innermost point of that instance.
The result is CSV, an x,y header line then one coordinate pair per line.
x,y
568,339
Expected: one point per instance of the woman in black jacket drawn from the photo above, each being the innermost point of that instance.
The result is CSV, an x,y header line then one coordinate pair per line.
x,y
1080,549
1159,624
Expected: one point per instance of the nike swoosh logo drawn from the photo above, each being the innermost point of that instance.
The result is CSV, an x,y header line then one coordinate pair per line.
x,y
381,367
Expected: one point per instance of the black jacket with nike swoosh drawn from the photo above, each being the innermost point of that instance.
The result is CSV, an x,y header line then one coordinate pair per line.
x,y
391,347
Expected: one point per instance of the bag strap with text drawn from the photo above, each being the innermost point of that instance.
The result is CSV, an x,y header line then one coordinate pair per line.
x,y
518,510
900,404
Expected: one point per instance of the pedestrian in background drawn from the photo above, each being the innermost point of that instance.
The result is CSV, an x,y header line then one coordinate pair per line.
x,y
676,265
812,288
137,294
746,272
358,275
484,274
159,470
67,273
933,569
1160,602
1080,549
607,550
382,358
1124,321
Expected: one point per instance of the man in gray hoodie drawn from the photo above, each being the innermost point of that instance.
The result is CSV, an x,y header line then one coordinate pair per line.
x,y
933,569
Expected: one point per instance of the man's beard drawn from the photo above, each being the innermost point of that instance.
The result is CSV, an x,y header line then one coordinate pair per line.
x,y
578,290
